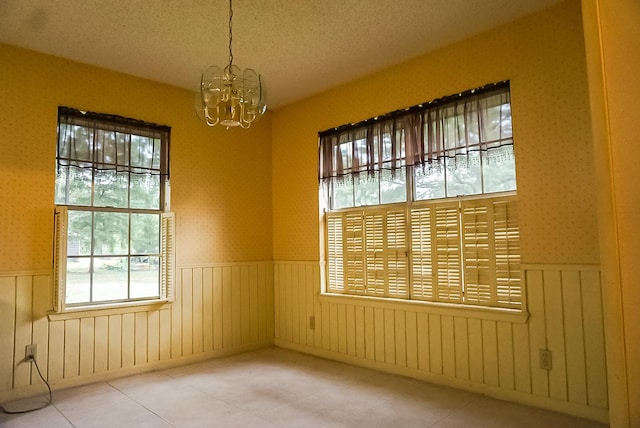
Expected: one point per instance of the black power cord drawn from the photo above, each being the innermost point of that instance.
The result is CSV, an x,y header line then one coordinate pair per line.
x,y
18,412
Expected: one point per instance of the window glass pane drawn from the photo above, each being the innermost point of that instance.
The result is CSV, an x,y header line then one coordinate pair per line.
x,y
78,288
110,278
393,187
145,152
429,181
499,170
145,234
111,233
111,189
79,233
145,191
73,185
366,189
342,192
145,277
463,175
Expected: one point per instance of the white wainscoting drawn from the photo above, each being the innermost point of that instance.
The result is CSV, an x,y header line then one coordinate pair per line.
x,y
219,310
474,350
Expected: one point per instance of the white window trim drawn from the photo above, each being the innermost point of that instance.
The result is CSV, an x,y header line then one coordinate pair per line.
x,y
167,269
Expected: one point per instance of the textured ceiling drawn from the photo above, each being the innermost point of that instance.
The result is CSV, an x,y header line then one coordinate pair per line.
x,y
301,47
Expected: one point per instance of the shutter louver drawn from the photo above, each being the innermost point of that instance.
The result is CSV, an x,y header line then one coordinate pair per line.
x,y
375,253
167,256
60,258
397,265
507,253
447,238
354,254
335,260
421,254
479,273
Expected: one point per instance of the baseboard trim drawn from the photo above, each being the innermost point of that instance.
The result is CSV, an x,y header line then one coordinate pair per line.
x,y
39,387
579,410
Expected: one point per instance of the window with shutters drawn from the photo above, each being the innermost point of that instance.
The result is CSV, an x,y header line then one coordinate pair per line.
x,y
113,232
421,204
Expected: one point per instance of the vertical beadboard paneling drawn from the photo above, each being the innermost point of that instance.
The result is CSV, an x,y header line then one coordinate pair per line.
x,y
350,329
197,309
342,328
226,306
461,347
176,319
7,321
245,299
207,309
360,332
22,337
71,348
101,341
40,335
574,338
141,344
369,334
187,304
537,332
227,318
217,307
165,334
594,340
554,320
448,346
56,351
115,342
505,355
435,344
476,366
128,340
153,336
87,346
412,340
490,352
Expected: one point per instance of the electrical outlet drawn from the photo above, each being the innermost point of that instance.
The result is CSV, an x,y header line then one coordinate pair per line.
x,y
545,359
312,322
30,352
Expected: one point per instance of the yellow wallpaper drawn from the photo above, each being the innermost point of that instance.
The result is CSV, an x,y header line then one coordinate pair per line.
x,y
543,56
221,180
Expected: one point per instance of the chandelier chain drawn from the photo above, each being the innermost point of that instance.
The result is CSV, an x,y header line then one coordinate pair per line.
x,y
230,33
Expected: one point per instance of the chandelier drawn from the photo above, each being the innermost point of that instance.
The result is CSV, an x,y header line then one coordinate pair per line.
x,y
231,97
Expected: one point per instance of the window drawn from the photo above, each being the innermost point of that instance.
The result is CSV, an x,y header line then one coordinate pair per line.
x,y
420,204
114,240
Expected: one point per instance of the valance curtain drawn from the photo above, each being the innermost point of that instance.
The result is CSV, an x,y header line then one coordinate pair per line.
x,y
441,133
104,142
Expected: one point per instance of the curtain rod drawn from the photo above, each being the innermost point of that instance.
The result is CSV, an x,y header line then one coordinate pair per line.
x,y
416,108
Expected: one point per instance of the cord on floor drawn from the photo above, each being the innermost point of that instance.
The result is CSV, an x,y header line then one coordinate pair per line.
x,y
17,412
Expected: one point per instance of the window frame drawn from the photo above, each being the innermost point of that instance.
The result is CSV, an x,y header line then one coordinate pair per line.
x,y
335,260
97,156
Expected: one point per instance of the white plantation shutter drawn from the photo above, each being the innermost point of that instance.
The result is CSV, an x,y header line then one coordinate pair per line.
x,y
448,254
396,251
422,270
335,259
507,253
354,253
375,254
477,239
460,252
60,258
167,257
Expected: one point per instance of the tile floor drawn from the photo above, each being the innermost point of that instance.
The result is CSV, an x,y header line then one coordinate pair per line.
x,y
274,387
